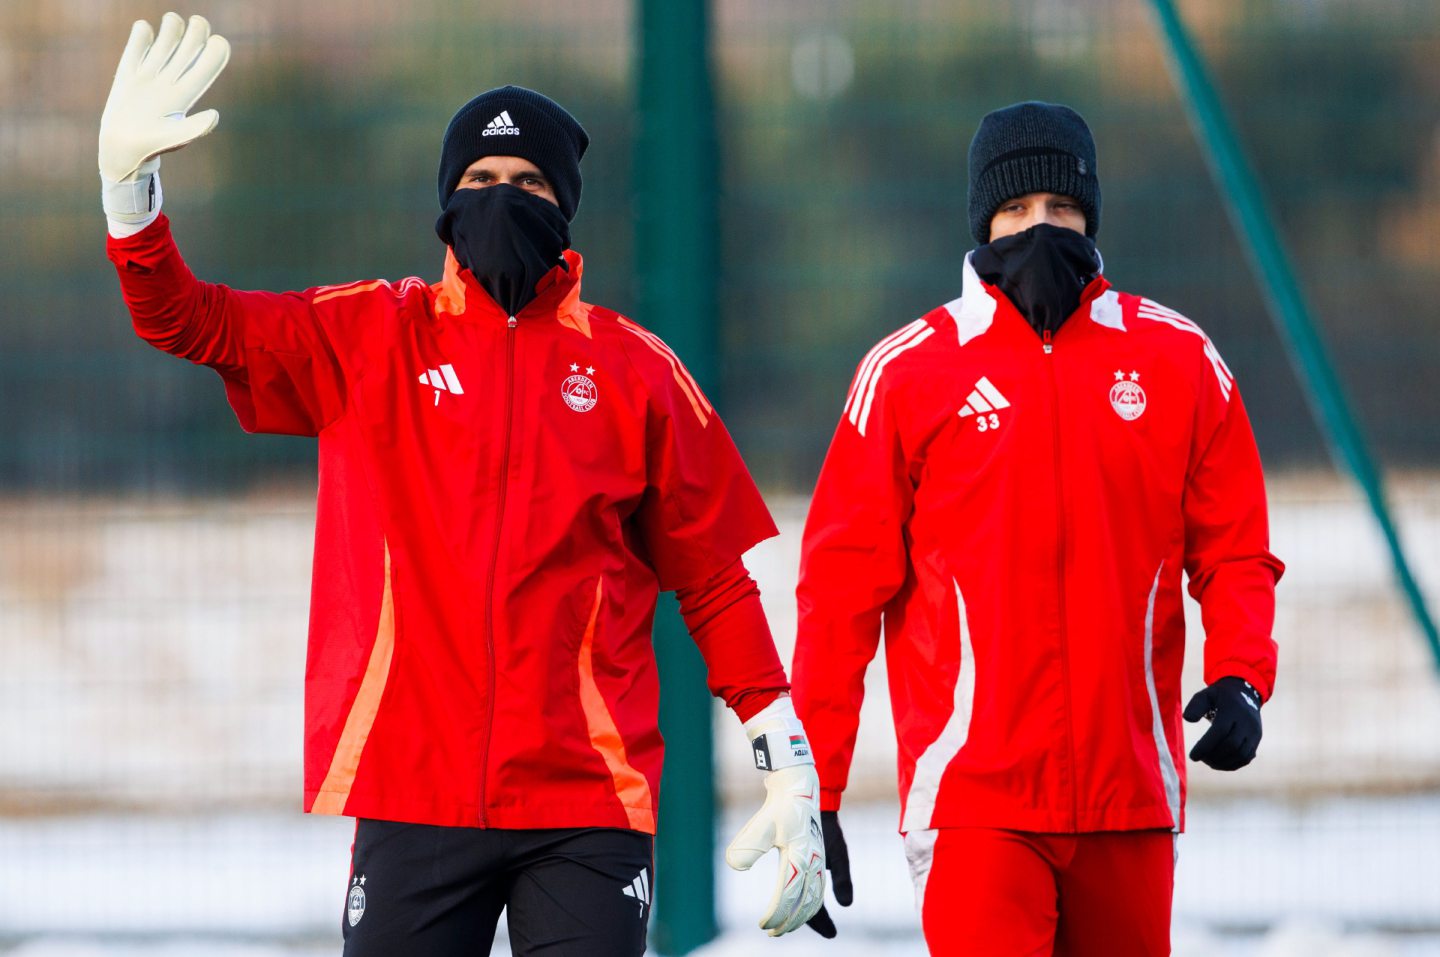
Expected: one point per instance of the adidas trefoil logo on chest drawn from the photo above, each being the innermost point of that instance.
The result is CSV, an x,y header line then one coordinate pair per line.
x,y
984,404
441,380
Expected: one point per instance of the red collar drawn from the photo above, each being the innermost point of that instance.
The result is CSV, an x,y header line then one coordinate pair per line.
x,y
459,294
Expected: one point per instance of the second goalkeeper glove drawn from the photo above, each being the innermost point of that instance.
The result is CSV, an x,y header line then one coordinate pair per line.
x,y
1233,707
837,862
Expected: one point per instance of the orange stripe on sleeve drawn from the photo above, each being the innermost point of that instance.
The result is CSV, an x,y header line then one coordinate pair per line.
x,y
339,291
630,785
680,370
682,376
335,791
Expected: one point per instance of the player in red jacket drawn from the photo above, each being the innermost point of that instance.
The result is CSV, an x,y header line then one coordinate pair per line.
x,y
508,477
1018,482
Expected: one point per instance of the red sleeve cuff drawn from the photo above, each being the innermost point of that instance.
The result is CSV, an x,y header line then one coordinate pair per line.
x,y
724,616
140,247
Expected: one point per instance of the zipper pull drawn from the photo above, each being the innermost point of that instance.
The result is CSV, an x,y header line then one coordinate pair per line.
x,y
513,322
1049,347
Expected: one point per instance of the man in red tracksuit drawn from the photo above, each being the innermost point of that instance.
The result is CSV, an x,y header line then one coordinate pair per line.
x,y
1018,482
508,476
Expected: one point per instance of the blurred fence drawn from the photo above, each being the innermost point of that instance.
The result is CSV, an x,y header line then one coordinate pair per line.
x,y
154,560
154,655
843,134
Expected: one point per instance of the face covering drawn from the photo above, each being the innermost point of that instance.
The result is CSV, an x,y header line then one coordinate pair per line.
x,y
508,239
1042,270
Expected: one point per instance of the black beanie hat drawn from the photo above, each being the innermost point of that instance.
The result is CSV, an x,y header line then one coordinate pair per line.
x,y
514,121
1032,147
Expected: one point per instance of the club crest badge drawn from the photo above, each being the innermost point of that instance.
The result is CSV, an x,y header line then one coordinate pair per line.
x,y
1127,398
355,901
579,391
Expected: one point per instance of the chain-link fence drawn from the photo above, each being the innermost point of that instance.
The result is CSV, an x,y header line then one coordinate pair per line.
x,y
843,131
154,559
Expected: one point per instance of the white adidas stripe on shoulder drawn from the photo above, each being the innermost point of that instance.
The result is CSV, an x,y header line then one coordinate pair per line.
x,y
874,356
868,381
860,415
867,365
1150,309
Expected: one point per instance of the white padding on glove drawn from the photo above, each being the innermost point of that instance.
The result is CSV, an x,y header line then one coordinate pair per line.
x,y
790,821
132,205
158,80
777,738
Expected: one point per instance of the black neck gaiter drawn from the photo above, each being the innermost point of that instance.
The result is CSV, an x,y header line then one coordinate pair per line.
x,y
508,239
1042,270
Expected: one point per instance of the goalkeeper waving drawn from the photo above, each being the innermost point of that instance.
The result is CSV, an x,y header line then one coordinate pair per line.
x,y
508,477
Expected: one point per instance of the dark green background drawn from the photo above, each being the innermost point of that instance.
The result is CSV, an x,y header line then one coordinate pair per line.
x,y
842,217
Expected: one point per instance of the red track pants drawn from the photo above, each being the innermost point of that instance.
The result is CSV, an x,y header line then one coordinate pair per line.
x,y
993,893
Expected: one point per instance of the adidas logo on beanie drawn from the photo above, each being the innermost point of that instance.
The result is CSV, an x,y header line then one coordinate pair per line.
x,y
514,121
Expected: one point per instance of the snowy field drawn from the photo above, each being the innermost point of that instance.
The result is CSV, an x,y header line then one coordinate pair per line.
x,y
150,748
1336,879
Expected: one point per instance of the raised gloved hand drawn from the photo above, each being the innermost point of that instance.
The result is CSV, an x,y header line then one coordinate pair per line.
x,y
1233,707
159,78
837,862
789,819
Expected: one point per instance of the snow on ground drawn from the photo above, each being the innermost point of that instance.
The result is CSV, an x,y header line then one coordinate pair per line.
x,y
1341,878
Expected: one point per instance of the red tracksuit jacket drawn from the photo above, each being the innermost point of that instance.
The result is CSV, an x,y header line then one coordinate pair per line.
x,y
1019,513
500,500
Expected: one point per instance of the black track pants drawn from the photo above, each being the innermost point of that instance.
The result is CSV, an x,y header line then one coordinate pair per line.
x,y
417,890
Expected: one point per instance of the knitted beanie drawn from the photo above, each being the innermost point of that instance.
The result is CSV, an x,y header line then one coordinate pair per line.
x,y
1032,147
514,121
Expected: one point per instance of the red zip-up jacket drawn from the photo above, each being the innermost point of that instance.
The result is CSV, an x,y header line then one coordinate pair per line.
x,y
500,500
1019,514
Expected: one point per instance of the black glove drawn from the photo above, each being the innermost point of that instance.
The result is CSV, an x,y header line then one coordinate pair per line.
x,y
1233,707
837,862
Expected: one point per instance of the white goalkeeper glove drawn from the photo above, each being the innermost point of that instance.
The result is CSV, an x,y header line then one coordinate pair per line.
x,y
789,819
159,78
